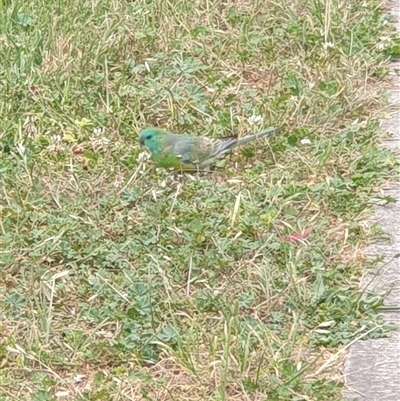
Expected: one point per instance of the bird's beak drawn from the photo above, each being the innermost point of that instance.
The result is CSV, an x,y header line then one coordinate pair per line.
x,y
141,141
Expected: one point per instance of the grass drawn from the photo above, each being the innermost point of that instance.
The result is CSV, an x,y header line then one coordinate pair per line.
x,y
122,281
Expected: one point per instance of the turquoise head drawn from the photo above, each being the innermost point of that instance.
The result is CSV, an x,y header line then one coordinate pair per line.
x,y
152,139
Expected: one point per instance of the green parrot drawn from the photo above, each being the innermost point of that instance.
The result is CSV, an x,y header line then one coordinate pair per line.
x,y
190,153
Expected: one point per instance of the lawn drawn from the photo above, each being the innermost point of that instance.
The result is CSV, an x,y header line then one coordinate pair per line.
x,y
123,281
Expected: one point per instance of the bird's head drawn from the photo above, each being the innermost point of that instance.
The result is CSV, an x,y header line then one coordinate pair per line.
x,y
152,139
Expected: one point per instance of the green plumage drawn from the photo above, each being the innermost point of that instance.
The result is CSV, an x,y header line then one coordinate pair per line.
x,y
190,153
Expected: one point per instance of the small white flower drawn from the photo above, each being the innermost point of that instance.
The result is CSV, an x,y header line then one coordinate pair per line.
x,y
211,90
305,141
98,139
385,40
254,119
385,22
142,157
326,45
56,138
31,129
56,145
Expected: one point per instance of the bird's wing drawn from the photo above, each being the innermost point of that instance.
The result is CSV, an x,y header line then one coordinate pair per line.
x,y
198,150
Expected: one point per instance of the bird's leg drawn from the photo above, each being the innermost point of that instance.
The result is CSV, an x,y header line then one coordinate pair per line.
x,y
180,178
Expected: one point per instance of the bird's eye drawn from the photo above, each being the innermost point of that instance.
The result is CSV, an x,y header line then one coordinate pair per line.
x,y
148,137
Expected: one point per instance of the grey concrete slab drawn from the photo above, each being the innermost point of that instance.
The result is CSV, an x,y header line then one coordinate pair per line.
x,y
372,367
385,279
373,371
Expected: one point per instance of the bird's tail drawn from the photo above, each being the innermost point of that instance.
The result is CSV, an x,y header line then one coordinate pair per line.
x,y
261,134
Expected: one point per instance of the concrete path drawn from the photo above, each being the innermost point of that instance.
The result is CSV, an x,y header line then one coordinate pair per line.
x,y
372,367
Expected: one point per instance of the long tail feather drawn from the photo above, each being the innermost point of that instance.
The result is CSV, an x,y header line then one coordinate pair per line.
x,y
261,134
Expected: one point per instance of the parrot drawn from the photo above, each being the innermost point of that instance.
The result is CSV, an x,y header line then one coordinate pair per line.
x,y
190,153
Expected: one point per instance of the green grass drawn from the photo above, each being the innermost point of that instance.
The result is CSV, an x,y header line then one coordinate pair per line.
x,y
122,281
